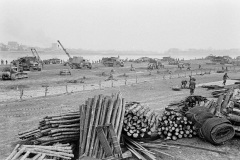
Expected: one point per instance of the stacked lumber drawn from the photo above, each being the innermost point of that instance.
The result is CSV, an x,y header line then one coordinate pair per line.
x,y
147,151
219,92
56,128
38,152
173,125
139,120
99,111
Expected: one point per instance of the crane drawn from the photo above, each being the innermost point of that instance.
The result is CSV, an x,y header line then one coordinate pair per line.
x,y
64,50
36,53
33,53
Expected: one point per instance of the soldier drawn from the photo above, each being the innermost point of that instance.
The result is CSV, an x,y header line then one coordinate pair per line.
x,y
2,62
184,83
6,62
192,85
225,76
199,66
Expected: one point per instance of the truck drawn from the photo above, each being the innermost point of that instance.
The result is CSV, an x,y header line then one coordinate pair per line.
x,y
76,62
112,62
155,64
13,73
29,63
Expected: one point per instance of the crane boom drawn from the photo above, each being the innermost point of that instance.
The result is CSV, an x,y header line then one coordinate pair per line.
x,y
32,50
65,50
37,54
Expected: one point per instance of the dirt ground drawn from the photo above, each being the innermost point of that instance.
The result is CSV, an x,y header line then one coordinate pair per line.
x,y
151,89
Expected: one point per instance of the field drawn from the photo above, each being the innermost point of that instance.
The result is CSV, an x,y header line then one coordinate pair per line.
x,y
152,88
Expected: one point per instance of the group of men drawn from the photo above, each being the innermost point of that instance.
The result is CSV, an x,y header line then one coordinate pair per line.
x,y
2,62
192,83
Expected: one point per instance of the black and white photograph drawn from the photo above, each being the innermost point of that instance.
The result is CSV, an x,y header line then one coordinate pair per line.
x,y
119,79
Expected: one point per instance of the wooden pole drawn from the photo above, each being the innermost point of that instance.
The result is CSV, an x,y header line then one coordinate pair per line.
x,y
66,88
21,94
100,85
46,90
136,78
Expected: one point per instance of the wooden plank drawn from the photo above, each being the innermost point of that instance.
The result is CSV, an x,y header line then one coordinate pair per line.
x,y
103,140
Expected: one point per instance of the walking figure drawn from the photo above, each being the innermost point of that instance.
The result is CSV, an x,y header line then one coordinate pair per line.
x,y
192,85
225,76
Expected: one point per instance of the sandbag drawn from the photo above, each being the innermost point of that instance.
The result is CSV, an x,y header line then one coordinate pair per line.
x,y
209,127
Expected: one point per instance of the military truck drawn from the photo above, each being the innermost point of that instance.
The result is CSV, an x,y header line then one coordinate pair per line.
x,y
76,62
112,62
13,73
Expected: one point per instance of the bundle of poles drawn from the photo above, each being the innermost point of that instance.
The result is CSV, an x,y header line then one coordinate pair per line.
x,y
139,121
99,111
38,152
56,128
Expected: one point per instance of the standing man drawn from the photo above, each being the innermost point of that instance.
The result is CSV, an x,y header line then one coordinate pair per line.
x,y
225,76
192,85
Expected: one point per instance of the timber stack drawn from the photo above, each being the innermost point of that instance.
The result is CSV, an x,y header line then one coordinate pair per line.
x,y
56,128
173,125
139,121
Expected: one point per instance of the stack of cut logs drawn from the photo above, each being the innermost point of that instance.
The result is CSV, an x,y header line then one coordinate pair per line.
x,y
139,121
99,111
57,128
173,125
37,152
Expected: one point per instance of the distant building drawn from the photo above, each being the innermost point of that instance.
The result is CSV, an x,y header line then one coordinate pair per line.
x,y
54,46
168,59
13,45
54,61
3,47
22,48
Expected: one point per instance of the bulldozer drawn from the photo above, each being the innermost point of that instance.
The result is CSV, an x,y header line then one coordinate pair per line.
x,y
76,62
112,62
13,73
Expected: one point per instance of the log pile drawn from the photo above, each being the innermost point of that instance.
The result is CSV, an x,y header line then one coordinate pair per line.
x,y
139,121
38,152
173,125
56,128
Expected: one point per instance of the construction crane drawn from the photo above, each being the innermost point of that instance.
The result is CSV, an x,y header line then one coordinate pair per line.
x,y
64,50
76,62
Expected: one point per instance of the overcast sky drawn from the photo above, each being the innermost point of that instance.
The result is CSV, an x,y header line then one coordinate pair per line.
x,y
155,25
